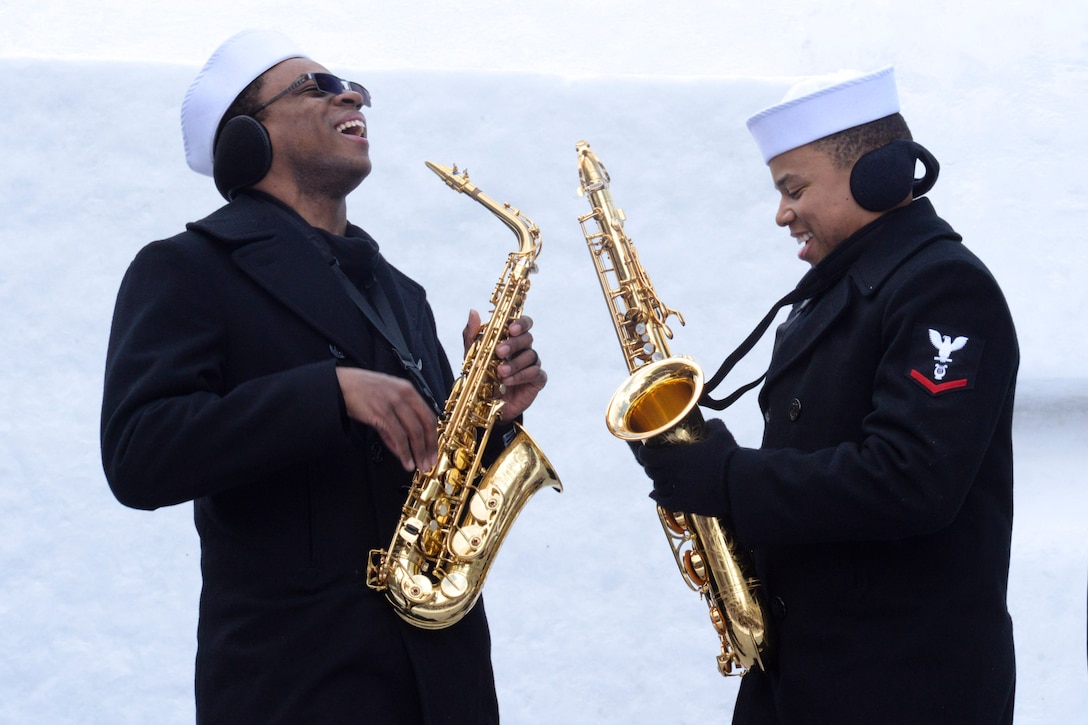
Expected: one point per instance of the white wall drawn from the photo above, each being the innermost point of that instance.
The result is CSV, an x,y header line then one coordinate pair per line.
x,y
590,619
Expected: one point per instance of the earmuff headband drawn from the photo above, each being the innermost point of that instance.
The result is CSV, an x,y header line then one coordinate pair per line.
x,y
884,177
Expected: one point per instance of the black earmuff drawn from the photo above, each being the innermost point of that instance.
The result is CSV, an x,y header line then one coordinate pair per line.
x,y
884,177
243,155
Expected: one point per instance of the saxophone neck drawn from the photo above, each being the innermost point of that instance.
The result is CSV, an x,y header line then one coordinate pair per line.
x,y
527,231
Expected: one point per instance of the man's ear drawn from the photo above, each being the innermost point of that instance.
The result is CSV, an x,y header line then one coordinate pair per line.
x,y
882,178
243,155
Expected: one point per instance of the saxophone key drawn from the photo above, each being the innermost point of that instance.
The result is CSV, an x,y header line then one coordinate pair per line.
x,y
452,481
673,520
454,585
485,504
431,541
410,530
695,568
462,457
429,491
468,541
417,588
718,621
441,510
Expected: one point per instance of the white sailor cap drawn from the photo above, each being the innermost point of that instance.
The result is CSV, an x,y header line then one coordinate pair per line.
x,y
820,106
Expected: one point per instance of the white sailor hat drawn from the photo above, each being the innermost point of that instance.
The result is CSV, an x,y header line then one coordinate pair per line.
x,y
820,106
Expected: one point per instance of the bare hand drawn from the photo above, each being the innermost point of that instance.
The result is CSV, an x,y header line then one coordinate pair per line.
x,y
393,407
520,369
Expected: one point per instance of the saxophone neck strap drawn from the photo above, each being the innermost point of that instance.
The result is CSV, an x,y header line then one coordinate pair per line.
x,y
816,281
743,349
380,315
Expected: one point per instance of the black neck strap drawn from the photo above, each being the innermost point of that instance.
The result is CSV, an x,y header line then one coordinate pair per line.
x,y
743,349
817,280
385,322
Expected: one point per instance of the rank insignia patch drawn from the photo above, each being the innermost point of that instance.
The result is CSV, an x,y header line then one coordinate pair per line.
x,y
942,360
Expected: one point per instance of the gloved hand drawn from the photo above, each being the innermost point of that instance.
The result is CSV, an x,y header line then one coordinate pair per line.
x,y
691,477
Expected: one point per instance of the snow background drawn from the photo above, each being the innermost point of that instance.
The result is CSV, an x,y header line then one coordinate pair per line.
x,y
590,619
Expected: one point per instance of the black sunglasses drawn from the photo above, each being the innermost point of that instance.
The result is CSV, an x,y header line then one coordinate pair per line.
x,y
325,82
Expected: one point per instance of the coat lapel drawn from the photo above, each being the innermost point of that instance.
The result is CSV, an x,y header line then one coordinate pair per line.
x,y
292,271
808,327
274,249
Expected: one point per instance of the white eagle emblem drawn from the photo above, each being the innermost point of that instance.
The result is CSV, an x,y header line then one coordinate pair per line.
x,y
945,347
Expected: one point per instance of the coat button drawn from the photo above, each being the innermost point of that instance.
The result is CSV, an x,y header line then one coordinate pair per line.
x,y
778,608
795,409
376,452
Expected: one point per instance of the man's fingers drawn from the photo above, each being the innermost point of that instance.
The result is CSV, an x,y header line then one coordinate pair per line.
x,y
409,429
420,432
518,338
392,406
471,328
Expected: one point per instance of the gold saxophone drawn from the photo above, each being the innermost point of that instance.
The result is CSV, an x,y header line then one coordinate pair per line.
x,y
458,513
658,405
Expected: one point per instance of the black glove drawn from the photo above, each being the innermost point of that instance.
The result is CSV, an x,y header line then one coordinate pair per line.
x,y
690,477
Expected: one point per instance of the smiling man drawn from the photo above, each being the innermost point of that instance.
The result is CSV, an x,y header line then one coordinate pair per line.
x,y
242,376
879,507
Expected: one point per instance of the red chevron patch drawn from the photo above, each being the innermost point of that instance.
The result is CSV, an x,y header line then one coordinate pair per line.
x,y
937,388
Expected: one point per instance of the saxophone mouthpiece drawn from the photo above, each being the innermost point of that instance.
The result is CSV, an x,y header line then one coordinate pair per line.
x,y
591,172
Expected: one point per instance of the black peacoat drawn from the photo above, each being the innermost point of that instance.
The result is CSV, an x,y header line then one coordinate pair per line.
x,y
879,508
220,388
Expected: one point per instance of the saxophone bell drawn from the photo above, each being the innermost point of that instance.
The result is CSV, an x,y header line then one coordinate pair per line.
x,y
658,404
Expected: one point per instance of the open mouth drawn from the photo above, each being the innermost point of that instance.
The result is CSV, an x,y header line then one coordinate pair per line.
x,y
353,128
803,240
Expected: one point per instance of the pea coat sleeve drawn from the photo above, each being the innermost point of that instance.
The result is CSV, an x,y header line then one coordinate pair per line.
x,y
174,427
917,451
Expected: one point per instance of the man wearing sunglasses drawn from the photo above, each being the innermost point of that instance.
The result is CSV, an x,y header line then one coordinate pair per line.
x,y
244,375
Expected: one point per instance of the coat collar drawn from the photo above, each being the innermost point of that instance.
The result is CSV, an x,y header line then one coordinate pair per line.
x,y
911,228
283,254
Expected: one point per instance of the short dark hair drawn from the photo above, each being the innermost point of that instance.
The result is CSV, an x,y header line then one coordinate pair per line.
x,y
846,147
244,104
